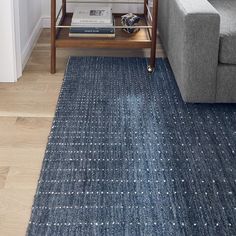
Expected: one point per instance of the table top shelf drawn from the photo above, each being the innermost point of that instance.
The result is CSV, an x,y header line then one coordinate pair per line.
x,y
144,38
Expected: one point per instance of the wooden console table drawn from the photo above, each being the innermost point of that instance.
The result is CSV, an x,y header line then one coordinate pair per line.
x,y
145,38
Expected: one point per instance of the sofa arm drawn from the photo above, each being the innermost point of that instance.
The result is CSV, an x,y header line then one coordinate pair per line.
x,y
189,31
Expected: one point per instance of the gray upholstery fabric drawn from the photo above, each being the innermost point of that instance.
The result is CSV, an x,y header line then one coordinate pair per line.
x,y
226,83
227,11
189,31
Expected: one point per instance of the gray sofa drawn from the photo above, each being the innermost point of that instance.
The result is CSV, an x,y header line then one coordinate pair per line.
x,y
199,37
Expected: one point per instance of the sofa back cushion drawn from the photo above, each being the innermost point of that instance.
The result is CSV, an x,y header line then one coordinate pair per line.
x,y
227,11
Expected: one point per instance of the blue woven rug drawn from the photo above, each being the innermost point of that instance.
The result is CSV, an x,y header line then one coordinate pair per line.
x,y
126,156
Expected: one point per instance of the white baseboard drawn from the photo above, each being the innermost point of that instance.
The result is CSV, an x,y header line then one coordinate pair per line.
x,y
26,52
46,21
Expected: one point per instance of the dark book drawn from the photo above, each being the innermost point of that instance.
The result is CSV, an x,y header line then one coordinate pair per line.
x,y
91,30
85,35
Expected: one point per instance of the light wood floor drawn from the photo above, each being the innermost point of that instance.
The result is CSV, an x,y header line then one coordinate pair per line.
x,y
26,112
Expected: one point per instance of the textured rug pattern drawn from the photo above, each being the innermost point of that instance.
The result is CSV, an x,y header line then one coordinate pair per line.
x,y
126,156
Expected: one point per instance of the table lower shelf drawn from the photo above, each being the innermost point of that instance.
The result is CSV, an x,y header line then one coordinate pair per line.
x,y
140,39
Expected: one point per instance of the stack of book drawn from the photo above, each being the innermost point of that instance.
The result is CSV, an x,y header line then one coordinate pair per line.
x,y
92,22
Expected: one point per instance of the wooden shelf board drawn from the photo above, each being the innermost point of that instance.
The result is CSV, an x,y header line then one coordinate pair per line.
x,y
140,39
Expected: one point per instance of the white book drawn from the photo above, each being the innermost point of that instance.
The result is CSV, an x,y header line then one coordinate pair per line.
x,y
96,25
92,15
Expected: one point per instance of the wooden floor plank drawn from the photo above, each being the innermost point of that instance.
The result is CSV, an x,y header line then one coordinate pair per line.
x,y
3,175
15,208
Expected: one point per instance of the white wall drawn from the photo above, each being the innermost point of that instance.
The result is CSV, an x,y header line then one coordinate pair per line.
x,y
8,67
46,10
17,37
30,13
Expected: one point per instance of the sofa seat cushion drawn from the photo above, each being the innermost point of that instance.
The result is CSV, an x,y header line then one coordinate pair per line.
x,y
227,11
